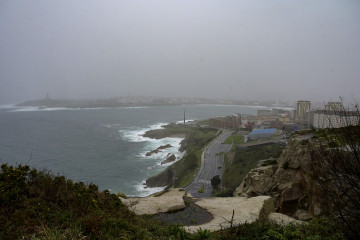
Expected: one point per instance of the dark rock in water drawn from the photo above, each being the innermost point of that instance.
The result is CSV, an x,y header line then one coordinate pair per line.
x,y
163,179
148,154
164,146
171,158
158,150
157,134
182,145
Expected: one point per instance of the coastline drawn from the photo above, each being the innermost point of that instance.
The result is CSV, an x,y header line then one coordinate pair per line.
x,y
182,172
161,142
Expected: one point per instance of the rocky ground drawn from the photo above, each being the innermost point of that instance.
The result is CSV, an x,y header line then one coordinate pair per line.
x,y
225,212
287,180
169,201
278,190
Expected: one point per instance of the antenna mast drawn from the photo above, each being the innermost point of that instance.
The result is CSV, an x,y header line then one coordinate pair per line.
x,y
184,116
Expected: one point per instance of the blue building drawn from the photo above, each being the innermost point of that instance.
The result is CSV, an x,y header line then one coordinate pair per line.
x,y
261,133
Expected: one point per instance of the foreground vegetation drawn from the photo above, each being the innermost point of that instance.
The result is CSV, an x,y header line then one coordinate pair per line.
x,y
38,205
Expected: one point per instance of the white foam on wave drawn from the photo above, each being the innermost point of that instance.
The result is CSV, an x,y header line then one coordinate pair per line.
x,y
146,191
8,106
135,107
186,121
163,153
46,109
135,134
41,109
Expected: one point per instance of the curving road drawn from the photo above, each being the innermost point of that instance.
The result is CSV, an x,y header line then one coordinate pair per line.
x,y
211,165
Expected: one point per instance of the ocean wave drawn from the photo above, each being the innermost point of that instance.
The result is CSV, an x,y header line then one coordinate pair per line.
x,y
8,106
135,107
182,121
44,109
155,143
41,109
145,191
135,134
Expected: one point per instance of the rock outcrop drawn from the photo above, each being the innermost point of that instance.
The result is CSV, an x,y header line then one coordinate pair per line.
x,y
288,181
163,179
226,212
171,200
169,159
158,149
246,210
183,145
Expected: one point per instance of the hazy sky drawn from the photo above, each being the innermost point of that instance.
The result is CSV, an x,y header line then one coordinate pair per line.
x,y
242,49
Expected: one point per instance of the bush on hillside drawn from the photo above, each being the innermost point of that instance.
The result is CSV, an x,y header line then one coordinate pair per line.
x,y
38,205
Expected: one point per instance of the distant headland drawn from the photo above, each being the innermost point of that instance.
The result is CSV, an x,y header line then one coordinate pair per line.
x,y
135,101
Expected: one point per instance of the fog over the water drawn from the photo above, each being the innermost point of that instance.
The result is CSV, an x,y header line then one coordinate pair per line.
x,y
242,49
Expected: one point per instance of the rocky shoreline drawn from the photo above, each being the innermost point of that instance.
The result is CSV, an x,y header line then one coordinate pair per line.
x,y
164,177
158,150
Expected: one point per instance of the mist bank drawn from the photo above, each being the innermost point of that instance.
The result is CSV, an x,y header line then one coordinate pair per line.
x,y
136,101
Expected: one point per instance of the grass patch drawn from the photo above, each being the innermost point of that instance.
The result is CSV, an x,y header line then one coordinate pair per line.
x,y
236,139
188,178
244,161
205,122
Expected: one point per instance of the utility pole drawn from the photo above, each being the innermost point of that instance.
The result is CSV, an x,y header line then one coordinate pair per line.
x,y
184,116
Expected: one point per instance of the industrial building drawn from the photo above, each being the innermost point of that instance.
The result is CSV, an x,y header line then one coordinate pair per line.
x,y
262,133
230,122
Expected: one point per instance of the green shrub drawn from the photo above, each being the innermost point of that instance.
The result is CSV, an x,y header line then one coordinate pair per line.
x,y
37,205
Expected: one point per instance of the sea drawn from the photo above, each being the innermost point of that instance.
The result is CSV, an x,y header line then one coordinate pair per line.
x,y
103,146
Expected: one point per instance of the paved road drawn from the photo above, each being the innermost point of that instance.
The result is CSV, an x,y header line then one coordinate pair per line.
x,y
211,165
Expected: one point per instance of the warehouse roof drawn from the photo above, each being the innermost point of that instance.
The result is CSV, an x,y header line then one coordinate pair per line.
x,y
263,131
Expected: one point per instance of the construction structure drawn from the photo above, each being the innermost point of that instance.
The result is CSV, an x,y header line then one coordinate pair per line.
x,y
302,111
334,106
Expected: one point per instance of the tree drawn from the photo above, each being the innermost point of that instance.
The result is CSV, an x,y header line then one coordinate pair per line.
x,y
215,181
335,155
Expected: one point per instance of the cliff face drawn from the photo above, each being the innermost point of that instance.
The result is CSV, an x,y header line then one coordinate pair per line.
x,y
163,179
287,180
